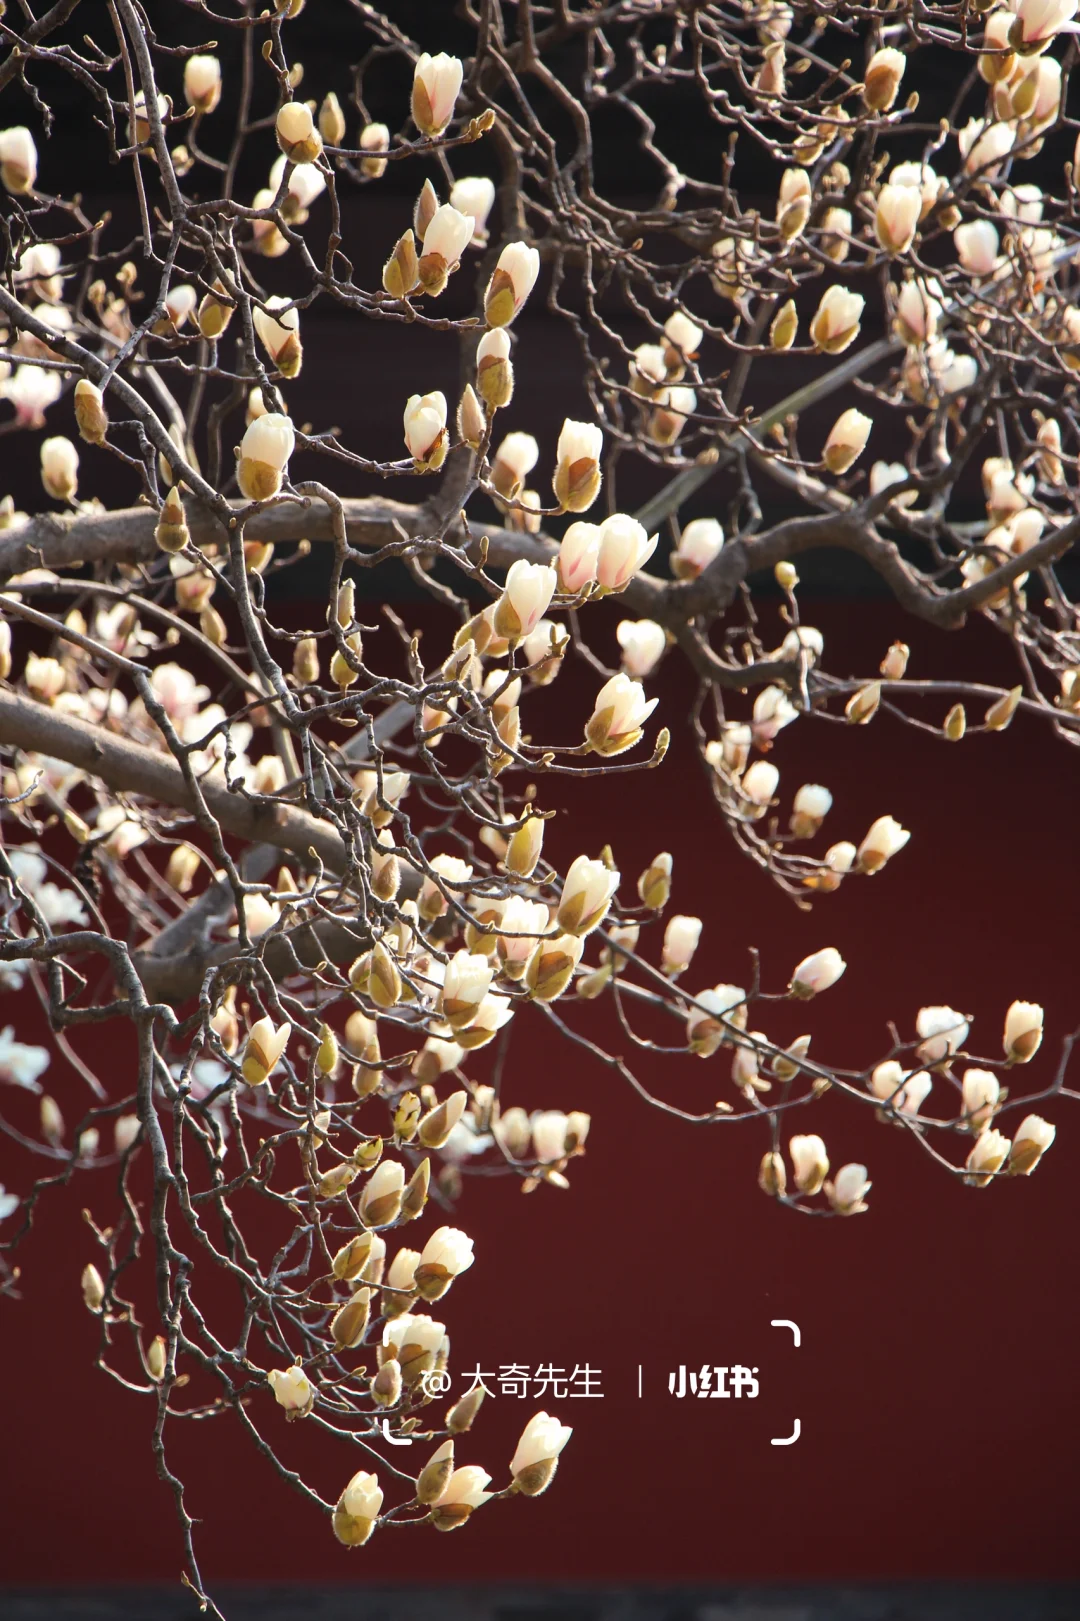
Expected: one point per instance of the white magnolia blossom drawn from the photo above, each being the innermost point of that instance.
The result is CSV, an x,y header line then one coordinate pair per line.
x,y
643,642
620,710
526,595
576,480
980,1096
586,895
9,1203
450,1249
1023,1031
20,1063
448,234
817,972
943,1032
436,86
760,783
700,541
292,1389
542,1440
425,423
848,1189
578,553
809,1162
18,159
475,195
1033,1137
512,280
625,547
681,938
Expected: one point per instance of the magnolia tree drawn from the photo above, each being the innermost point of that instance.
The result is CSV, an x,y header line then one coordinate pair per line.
x,y
305,866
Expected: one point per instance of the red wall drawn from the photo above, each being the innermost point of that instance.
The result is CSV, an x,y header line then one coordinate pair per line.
x,y
935,1383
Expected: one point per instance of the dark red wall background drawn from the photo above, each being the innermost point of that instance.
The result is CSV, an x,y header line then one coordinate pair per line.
x,y
935,1383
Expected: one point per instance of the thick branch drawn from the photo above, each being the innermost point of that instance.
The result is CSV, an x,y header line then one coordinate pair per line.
x,y
129,767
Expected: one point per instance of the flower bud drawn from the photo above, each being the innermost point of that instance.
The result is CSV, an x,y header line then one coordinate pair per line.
x,y
847,440
784,327
537,1454
809,809
93,1288
447,1253
988,1155
296,133
620,710
1023,1031
60,468
380,1201
263,455
425,430
810,1163
293,1390
374,138
654,885
156,1358
577,471
464,1493
357,1510
435,1126
401,272
1001,713
265,1048
90,415
494,371
551,966
863,705
817,972
586,896
352,1257
436,86
385,1387
331,120
847,1192
772,1175
884,839
955,723
202,83
18,160
349,1324
835,325
883,74
1033,1137
513,279
523,850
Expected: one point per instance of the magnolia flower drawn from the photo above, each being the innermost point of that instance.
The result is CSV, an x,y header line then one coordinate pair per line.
x,y
278,327
306,182
648,370
625,547
474,195
39,262
292,1389
357,1509
436,86
643,642
668,419
1033,1137
577,477
809,809
773,710
578,552
835,325
520,926
202,83
297,135
514,461
512,280
528,590
536,1457
977,247
944,1032
465,984
380,1201
425,429
884,71
31,391
929,184
847,440
620,710
884,839
759,784
587,891
9,1203
680,942
1023,1031
817,972
447,1253
809,1162
549,1129
918,311
848,1189
897,217
722,1012
18,159
264,452
684,339
465,1491
699,543
884,475
21,1064
448,234
1037,22
60,468
45,677
983,146
265,1048
988,1155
